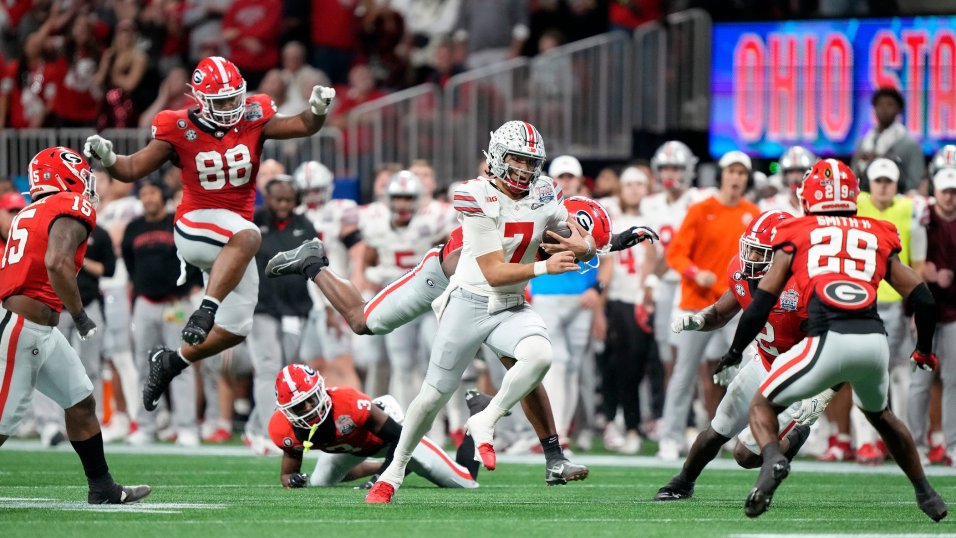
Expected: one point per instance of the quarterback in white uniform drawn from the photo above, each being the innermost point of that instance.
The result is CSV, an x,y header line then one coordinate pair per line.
x,y
504,218
325,339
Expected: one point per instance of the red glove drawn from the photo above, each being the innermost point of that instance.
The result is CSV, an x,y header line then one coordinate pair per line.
x,y
925,361
643,319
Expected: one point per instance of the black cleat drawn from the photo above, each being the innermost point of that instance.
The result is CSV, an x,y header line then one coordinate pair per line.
x,y
561,471
160,374
771,475
198,327
117,494
675,490
932,505
295,262
477,402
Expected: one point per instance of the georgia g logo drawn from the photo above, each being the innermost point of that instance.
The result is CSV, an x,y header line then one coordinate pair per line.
x,y
198,76
585,220
846,294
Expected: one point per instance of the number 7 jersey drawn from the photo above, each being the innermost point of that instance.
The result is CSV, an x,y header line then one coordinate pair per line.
x,y
839,262
219,165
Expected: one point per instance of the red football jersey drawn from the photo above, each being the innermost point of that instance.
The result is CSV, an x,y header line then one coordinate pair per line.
x,y
219,166
345,430
838,262
784,327
23,268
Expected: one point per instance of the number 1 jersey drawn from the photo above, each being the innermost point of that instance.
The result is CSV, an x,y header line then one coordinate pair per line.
x,y
219,165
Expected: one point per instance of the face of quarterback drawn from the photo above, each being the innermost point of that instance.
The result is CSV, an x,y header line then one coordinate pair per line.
x,y
280,199
521,168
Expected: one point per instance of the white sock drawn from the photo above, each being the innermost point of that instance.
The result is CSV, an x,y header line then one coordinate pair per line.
x,y
533,359
418,419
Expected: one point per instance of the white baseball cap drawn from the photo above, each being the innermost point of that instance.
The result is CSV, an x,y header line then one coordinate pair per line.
x,y
633,174
735,156
883,167
565,164
945,178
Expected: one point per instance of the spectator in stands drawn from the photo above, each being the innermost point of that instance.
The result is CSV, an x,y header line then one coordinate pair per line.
x,y
427,25
495,30
552,76
161,25
707,239
274,86
335,30
442,67
626,15
382,47
123,69
890,138
31,81
299,76
77,102
251,29
172,96
203,21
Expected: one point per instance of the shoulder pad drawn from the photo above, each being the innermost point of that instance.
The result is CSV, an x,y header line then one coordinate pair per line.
x,y
260,108
475,197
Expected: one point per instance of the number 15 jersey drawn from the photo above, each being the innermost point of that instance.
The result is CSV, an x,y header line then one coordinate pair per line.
x,y
219,165
839,262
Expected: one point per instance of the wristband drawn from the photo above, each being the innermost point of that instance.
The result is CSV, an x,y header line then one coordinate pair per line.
x,y
599,287
540,268
590,246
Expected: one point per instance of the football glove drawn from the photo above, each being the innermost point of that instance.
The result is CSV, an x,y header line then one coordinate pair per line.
x,y
924,361
100,148
811,408
725,371
688,322
643,318
85,327
632,236
298,480
321,100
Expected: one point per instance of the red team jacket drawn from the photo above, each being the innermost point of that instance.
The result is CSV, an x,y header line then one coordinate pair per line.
x,y
345,430
785,326
222,176
838,262
23,267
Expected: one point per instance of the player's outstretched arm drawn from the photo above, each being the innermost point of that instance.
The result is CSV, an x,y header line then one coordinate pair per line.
x,y
711,318
291,465
919,300
755,316
306,123
128,168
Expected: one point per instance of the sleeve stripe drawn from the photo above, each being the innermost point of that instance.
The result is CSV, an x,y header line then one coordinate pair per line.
x,y
468,209
464,197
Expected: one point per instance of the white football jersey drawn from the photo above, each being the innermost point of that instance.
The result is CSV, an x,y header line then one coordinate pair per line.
x,y
627,276
329,220
521,225
400,249
113,217
779,201
665,217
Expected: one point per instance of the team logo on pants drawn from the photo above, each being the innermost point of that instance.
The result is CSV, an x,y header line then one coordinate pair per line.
x,y
846,294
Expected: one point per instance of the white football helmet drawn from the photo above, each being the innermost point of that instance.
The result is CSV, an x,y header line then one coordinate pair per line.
x,y
677,154
313,179
945,157
403,194
521,139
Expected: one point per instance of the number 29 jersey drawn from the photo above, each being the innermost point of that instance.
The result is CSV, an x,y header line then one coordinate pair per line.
x,y
23,266
838,262
219,165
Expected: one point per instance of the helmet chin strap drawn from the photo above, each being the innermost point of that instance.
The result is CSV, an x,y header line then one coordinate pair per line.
x,y
307,444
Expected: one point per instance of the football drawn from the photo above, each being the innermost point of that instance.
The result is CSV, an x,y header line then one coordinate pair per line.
x,y
560,228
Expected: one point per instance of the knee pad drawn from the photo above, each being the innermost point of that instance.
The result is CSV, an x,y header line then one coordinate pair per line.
x,y
535,351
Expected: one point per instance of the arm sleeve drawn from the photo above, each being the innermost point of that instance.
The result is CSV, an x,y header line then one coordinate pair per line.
x,y
920,301
482,234
678,254
752,321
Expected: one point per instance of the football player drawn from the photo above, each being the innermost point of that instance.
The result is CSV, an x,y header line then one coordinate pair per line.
x,y
350,427
325,342
783,330
38,270
837,259
794,163
218,145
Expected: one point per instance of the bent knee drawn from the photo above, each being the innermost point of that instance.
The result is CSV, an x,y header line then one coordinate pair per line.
x,y
247,240
83,408
745,458
536,351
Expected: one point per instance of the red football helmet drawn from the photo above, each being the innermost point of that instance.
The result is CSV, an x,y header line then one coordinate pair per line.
x,y
60,169
221,91
301,396
592,217
827,187
756,248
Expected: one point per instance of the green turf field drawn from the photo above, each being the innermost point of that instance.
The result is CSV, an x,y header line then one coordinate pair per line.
x,y
42,494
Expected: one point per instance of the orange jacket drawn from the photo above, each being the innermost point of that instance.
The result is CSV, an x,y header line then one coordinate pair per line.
x,y
708,236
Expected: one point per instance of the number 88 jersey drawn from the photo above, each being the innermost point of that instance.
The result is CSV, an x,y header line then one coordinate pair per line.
x,y
219,165
839,262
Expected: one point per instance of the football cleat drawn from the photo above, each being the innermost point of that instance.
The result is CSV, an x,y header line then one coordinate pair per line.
x,y
561,471
771,475
839,449
295,262
932,505
198,327
870,454
160,374
483,435
678,488
381,493
117,494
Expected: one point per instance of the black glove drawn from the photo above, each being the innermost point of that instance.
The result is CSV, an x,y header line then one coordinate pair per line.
x,y
632,236
729,360
84,325
298,480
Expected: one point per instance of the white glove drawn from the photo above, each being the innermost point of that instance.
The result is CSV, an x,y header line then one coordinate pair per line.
x,y
321,100
687,322
811,408
725,376
100,148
